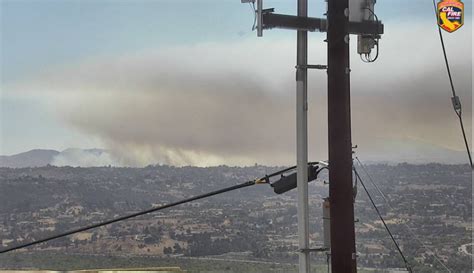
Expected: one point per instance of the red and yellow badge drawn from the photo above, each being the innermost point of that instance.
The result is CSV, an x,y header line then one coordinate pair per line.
x,y
451,15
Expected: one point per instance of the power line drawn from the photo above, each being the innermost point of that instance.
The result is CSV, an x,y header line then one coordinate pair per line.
x,y
455,99
371,180
252,6
412,233
407,265
263,180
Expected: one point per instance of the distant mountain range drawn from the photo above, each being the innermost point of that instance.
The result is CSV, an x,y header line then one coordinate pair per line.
x,y
387,152
71,157
413,152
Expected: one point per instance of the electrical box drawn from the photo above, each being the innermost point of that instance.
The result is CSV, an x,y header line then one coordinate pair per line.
x,y
361,10
289,182
365,44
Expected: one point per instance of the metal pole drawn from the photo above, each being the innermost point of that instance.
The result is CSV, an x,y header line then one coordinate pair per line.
x,y
302,141
343,254
259,18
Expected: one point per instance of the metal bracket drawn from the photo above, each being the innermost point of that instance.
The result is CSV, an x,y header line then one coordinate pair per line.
x,y
456,103
309,250
324,163
270,10
273,20
312,66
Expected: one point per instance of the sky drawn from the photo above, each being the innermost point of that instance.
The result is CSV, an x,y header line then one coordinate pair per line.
x,y
188,83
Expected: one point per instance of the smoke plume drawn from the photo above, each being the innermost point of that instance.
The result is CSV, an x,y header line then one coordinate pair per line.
x,y
226,103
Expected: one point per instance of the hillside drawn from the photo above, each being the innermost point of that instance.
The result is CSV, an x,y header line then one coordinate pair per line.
x,y
33,158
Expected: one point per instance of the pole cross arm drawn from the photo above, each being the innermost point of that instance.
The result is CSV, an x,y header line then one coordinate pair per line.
x,y
273,20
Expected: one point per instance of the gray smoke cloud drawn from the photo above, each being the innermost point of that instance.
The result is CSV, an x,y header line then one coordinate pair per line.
x,y
234,104
84,158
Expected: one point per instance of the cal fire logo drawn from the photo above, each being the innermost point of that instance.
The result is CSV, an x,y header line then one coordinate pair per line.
x,y
450,15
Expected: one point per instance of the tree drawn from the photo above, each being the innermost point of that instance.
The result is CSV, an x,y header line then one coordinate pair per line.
x,y
167,250
177,248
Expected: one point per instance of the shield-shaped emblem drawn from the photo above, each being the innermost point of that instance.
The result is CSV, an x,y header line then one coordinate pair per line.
x,y
450,15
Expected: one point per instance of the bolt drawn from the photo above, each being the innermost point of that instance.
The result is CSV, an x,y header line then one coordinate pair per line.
x,y
346,39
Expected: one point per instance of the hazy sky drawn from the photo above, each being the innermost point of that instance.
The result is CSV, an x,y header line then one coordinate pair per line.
x,y
187,82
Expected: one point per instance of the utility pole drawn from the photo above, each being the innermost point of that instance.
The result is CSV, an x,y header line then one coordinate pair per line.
x,y
343,253
302,140
340,202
